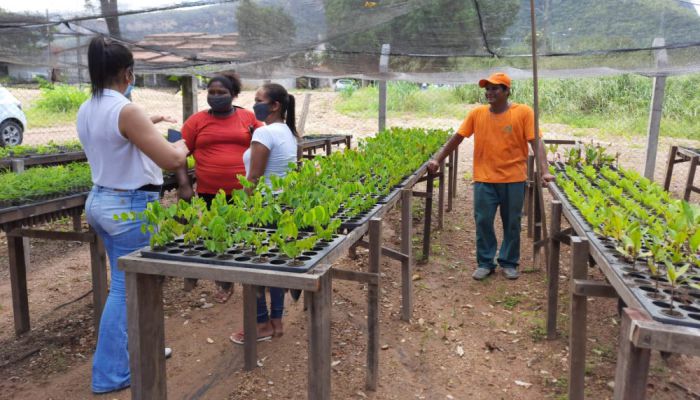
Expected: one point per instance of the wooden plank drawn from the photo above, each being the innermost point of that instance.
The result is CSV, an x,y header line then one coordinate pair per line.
x,y
649,334
375,240
251,276
669,167
553,273
428,222
19,213
655,112
144,301
391,253
59,158
52,235
189,88
456,171
450,182
18,283
441,194
319,347
691,177
578,316
250,326
355,276
100,288
632,362
383,68
407,249
422,195
587,288
301,126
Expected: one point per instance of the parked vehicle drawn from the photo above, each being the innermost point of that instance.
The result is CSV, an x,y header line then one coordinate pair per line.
x,y
12,119
343,84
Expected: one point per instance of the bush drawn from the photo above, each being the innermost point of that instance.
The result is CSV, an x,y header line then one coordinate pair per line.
x,y
61,98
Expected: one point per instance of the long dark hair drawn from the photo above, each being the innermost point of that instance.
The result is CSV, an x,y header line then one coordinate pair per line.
x,y
278,93
230,80
106,60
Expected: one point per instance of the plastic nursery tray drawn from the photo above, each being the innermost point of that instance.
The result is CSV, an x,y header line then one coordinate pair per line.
x,y
242,257
350,223
657,302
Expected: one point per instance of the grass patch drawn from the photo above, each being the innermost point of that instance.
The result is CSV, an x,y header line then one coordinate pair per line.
x,y
616,105
57,105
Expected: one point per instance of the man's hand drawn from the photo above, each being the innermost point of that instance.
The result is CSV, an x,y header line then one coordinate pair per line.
x,y
185,192
433,166
547,177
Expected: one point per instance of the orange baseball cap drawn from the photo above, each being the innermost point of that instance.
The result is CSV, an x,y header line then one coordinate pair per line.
x,y
499,78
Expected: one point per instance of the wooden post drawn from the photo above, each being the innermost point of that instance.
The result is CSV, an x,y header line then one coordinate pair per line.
x,y
375,252
632,362
454,175
655,112
17,166
529,196
328,146
98,267
450,181
144,302
441,194
189,85
669,167
250,326
427,224
406,249
383,68
319,348
578,315
77,222
18,282
691,177
537,223
553,272
302,115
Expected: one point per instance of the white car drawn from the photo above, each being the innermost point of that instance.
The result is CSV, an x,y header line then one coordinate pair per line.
x,y
342,84
12,119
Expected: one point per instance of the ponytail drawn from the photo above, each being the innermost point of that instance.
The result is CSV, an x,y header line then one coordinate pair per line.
x,y
106,60
290,118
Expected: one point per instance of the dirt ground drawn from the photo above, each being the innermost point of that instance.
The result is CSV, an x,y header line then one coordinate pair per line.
x,y
467,339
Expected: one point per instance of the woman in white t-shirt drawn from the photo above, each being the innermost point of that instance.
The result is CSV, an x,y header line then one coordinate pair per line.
x,y
272,148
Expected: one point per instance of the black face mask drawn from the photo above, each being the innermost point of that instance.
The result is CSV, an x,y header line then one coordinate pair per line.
x,y
220,104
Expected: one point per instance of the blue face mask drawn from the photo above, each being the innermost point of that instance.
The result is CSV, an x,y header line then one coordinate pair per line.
x,y
262,111
128,90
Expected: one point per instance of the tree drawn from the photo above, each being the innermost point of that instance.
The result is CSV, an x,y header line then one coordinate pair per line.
x,y
110,8
264,27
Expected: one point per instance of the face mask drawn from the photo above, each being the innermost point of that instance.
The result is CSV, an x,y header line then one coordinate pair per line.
x,y
128,90
262,111
220,104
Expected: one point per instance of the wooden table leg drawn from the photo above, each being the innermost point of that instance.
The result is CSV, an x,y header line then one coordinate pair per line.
x,y
375,252
578,316
189,284
632,362
530,195
669,167
441,194
18,282
691,177
100,289
144,302
77,222
553,272
450,181
455,166
428,216
250,326
407,249
319,365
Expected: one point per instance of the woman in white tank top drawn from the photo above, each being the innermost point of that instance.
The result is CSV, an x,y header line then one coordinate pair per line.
x,y
126,154
272,149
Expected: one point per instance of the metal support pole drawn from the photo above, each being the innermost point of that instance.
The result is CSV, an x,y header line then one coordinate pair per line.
x,y
655,112
383,68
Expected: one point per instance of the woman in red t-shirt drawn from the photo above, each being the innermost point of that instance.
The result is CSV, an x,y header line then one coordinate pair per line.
x,y
217,138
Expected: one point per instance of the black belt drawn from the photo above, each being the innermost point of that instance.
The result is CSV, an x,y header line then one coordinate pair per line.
x,y
151,188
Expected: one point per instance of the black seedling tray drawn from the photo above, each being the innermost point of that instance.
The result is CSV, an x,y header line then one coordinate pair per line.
x,y
390,196
349,223
243,257
643,287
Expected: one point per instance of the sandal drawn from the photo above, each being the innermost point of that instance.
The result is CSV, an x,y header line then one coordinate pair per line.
x,y
223,295
239,338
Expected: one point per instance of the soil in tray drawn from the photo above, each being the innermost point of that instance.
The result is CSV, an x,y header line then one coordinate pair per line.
x,y
237,256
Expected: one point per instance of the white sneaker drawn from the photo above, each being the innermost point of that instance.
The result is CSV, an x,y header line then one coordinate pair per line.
x,y
168,352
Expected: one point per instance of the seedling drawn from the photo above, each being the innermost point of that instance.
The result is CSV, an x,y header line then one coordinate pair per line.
x,y
675,278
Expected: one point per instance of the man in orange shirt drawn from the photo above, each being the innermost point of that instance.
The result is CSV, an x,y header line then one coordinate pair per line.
x,y
501,132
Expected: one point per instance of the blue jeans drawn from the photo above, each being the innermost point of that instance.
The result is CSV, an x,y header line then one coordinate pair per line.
x,y
508,198
110,366
276,304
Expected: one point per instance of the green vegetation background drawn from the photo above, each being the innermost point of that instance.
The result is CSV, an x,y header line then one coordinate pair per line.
x,y
618,105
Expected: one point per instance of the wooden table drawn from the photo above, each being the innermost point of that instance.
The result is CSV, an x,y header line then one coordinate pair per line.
x,y
678,155
639,334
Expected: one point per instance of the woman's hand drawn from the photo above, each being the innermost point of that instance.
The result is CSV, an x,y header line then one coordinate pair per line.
x,y
163,118
433,166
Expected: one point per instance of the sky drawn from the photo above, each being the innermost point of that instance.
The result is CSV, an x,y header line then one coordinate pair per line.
x,y
73,5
